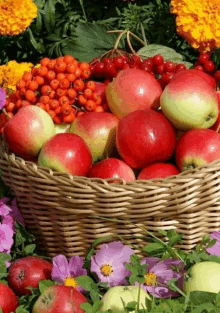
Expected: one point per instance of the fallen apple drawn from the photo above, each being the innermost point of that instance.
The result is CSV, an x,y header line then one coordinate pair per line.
x,y
189,102
114,297
66,153
98,131
197,147
133,89
204,276
158,170
144,137
28,130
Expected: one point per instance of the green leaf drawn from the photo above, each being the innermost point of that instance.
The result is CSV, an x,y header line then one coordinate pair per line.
x,y
91,40
29,249
94,295
21,309
1,310
49,15
97,305
87,307
3,270
205,308
85,282
131,306
153,247
44,284
201,297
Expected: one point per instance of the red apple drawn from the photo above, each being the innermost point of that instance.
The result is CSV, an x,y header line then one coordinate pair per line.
x,y
98,131
100,90
66,152
158,170
144,137
111,168
28,130
209,79
27,272
132,89
59,298
8,300
197,147
216,126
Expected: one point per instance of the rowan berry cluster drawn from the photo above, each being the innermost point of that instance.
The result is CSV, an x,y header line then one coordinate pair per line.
x,y
59,86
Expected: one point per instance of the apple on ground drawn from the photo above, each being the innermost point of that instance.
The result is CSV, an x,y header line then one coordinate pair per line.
x,y
98,130
8,300
144,137
189,102
66,152
60,298
132,89
28,130
204,276
158,170
111,168
197,147
27,272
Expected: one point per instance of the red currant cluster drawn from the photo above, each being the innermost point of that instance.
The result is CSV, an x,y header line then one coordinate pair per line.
x,y
107,68
205,64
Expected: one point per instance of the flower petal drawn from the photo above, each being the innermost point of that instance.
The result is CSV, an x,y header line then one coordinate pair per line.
x,y
76,266
60,268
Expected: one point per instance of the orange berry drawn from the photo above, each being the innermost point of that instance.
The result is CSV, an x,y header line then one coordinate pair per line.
x,y
54,84
96,98
78,72
60,67
58,110
10,107
44,99
25,103
91,85
51,75
42,71
34,71
47,107
30,95
51,65
59,60
60,92
66,109
61,76
84,66
41,105
27,76
33,85
39,80
78,85
57,119
71,68
99,108
71,93
64,101
82,100
68,118
51,113
71,77
18,104
87,93
79,113
46,90
20,84
90,105
68,58
54,104
52,94
86,74
44,61
64,84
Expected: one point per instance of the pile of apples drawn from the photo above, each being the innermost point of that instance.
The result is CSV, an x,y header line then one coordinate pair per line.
x,y
148,133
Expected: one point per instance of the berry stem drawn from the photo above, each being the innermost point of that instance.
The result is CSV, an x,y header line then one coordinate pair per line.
x,y
6,113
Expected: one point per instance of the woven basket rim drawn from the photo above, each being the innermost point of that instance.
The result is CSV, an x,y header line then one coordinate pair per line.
x,y
8,155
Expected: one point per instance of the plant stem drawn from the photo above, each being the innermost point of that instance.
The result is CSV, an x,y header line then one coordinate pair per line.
x,y
83,10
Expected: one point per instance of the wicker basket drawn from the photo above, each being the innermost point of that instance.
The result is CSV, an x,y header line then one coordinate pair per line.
x,y
62,211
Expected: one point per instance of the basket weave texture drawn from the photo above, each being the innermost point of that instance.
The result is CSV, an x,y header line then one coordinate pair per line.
x,y
63,211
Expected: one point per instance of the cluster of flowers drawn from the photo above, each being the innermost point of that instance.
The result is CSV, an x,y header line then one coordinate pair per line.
x,y
8,215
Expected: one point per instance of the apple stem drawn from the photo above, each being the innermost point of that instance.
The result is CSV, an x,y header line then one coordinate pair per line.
x,y
6,113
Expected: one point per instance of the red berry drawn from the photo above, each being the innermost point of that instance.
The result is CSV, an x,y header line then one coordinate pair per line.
x,y
160,69
99,69
203,58
135,61
145,67
217,76
169,66
107,61
209,66
180,67
165,78
110,70
119,62
149,62
199,68
158,60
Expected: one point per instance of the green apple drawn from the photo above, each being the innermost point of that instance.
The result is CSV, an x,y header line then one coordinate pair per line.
x,y
189,102
61,128
204,276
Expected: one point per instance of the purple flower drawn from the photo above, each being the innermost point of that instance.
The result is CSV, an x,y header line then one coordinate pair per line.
x,y
215,249
15,213
159,272
65,272
2,98
109,263
4,208
6,238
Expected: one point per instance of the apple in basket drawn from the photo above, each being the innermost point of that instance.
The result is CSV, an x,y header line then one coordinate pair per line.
x,y
216,126
28,131
158,170
144,137
59,298
66,152
197,147
188,102
98,130
132,89
111,168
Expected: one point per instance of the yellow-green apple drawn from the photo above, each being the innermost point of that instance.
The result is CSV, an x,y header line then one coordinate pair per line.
x,y
144,137
197,147
111,168
189,102
98,130
208,78
59,298
204,276
62,128
216,126
132,89
66,152
158,170
28,130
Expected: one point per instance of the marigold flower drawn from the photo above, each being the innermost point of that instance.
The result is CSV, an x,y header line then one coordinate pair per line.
x,y
198,22
159,272
109,263
16,16
11,72
65,272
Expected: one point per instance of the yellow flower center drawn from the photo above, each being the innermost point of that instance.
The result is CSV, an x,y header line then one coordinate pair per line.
x,y
106,270
150,279
70,281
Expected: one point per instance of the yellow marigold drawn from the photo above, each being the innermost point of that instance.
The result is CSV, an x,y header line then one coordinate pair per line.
x,y
11,72
198,21
16,16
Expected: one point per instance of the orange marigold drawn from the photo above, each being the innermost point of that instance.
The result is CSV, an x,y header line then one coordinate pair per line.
x,y
16,16
198,21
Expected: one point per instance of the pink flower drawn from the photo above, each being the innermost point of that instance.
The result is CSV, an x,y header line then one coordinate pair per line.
x,y
12,210
215,249
65,272
109,263
4,208
6,238
159,272
15,213
2,98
